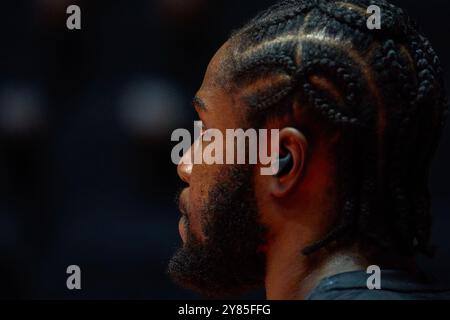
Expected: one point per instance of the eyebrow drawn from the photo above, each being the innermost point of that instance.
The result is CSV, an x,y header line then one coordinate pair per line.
x,y
197,102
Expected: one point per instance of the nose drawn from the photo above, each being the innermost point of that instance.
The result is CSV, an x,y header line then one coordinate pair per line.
x,y
184,168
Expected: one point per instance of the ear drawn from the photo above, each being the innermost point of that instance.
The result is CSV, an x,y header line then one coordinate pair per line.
x,y
293,142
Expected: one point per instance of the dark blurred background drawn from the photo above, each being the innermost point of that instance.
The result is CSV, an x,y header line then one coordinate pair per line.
x,y
85,124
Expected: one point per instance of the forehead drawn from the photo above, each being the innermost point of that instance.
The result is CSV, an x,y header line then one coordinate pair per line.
x,y
215,91
218,68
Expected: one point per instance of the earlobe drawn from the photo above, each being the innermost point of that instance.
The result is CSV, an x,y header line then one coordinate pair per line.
x,y
292,158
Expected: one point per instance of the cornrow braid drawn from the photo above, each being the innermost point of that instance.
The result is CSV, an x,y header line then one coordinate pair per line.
x,y
384,92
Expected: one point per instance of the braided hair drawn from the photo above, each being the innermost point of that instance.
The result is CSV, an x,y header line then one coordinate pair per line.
x,y
384,94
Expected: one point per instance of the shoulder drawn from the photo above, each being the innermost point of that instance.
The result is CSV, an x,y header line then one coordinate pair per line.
x,y
394,285
366,294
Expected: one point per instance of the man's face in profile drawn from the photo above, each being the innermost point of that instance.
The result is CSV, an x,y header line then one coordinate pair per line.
x,y
222,237
350,108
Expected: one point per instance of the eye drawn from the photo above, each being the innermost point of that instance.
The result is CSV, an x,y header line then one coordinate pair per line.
x,y
206,133
203,128
200,128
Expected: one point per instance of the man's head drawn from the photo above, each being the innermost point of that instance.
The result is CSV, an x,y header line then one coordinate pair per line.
x,y
360,112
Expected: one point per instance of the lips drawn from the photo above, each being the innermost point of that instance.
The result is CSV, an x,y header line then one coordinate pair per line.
x,y
182,225
182,202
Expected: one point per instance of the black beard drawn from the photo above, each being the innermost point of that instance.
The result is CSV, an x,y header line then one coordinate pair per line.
x,y
230,262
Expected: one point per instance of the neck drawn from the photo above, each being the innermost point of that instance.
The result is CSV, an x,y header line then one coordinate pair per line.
x,y
290,275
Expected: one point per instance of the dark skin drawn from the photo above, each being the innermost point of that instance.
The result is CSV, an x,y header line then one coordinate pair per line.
x,y
297,207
